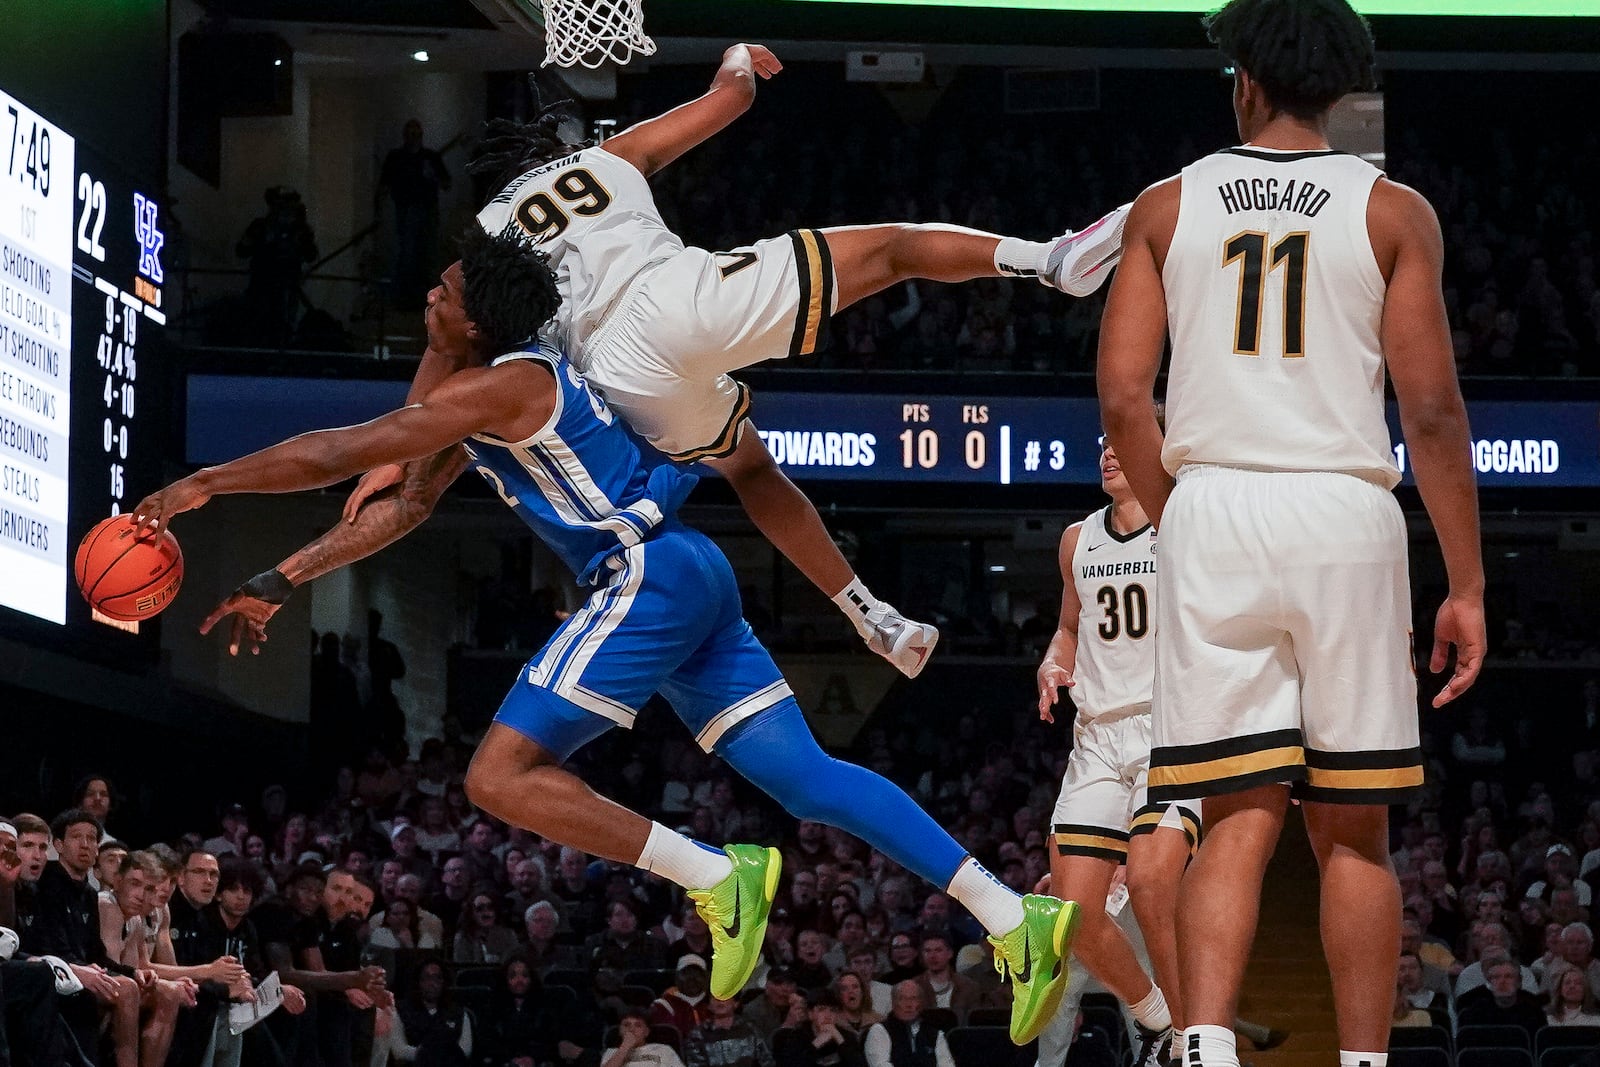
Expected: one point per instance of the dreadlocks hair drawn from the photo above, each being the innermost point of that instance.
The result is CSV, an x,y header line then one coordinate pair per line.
x,y
510,290
510,148
1306,54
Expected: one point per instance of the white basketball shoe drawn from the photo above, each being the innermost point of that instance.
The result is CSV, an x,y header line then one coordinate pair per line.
x,y
1079,263
903,642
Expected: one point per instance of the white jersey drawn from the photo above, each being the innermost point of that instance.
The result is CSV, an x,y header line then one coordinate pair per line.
x,y
1115,575
593,215
1274,301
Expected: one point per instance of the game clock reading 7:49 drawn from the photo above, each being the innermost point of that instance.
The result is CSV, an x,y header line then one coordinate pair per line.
x,y
28,161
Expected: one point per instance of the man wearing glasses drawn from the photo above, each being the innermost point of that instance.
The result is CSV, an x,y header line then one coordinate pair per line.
x,y
187,956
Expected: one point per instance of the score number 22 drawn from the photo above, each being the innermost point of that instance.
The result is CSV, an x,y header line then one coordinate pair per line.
x,y
91,212
921,448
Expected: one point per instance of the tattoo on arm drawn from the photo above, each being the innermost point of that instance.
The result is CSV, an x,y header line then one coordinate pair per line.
x,y
385,519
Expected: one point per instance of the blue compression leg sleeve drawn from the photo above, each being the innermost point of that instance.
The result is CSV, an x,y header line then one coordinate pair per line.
x,y
778,754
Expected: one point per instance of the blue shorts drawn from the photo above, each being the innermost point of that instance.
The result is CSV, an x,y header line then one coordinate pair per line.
x,y
668,620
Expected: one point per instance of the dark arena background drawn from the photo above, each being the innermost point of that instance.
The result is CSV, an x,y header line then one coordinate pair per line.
x,y
210,241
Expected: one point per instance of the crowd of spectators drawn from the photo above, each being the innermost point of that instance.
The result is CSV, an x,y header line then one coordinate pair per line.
x,y
1517,204
965,161
406,926
1499,860
1518,210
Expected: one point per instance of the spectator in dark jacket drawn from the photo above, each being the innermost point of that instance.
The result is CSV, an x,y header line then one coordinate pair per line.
x,y
435,1030
725,1040
227,930
481,938
622,946
517,1028
819,1041
1503,1002
66,924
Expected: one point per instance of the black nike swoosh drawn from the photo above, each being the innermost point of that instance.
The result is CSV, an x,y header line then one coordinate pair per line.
x,y
1025,975
738,914
1091,548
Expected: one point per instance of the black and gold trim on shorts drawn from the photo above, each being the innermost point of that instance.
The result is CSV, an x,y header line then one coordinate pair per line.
x,y
1076,839
727,438
1148,819
814,266
1184,772
1374,777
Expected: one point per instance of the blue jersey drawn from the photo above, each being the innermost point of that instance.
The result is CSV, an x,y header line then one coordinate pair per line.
x,y
581,481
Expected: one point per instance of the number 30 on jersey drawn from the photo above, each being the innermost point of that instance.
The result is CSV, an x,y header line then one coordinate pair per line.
x,y
1126,612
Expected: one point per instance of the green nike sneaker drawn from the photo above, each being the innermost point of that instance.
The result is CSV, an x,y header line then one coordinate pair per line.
x,y
736,909
1035,957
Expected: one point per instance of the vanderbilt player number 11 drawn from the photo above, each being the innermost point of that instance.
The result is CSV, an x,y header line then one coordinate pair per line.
x,y
1291,277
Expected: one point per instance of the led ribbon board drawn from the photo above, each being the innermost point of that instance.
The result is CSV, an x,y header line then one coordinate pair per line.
x,y
1453,8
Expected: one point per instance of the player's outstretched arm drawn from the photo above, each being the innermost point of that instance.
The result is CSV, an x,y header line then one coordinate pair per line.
x,y
1061,658
654,143
434,368
1133,334
387,517
1421,361
503,400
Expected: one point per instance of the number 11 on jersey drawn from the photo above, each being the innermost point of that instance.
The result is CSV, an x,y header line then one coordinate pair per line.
x,y
1249,250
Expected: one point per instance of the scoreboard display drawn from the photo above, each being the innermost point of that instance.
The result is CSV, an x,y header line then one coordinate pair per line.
x,y
894,438
1056,440
81,321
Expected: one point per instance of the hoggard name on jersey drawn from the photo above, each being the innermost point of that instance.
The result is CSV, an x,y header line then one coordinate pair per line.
x,y
1271,194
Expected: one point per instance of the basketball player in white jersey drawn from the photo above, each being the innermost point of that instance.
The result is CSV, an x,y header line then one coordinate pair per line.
x,y
1103,651
657,327
1289,277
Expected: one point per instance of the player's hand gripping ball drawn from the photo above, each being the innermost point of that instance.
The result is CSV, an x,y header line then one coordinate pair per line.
x,y
126,576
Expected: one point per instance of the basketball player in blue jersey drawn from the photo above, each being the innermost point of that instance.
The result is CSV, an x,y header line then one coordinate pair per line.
x,y
664,617
1290,277
657,327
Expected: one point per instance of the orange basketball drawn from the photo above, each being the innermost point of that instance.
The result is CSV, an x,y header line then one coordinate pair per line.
x,y
126,577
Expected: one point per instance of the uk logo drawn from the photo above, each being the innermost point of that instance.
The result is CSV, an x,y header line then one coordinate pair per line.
x,y
150,238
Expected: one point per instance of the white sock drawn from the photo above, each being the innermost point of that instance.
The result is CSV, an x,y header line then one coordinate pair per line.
x,y
1363,1059
1014,256
677,858
1210,1046
1177,1046
1152,1012
855,600
990,900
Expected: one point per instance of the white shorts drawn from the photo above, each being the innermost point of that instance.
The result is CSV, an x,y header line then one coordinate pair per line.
x,y
1103,802
663,354
1284,648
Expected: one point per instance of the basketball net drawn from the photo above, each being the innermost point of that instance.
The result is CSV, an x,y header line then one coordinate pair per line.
x,y
588,33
